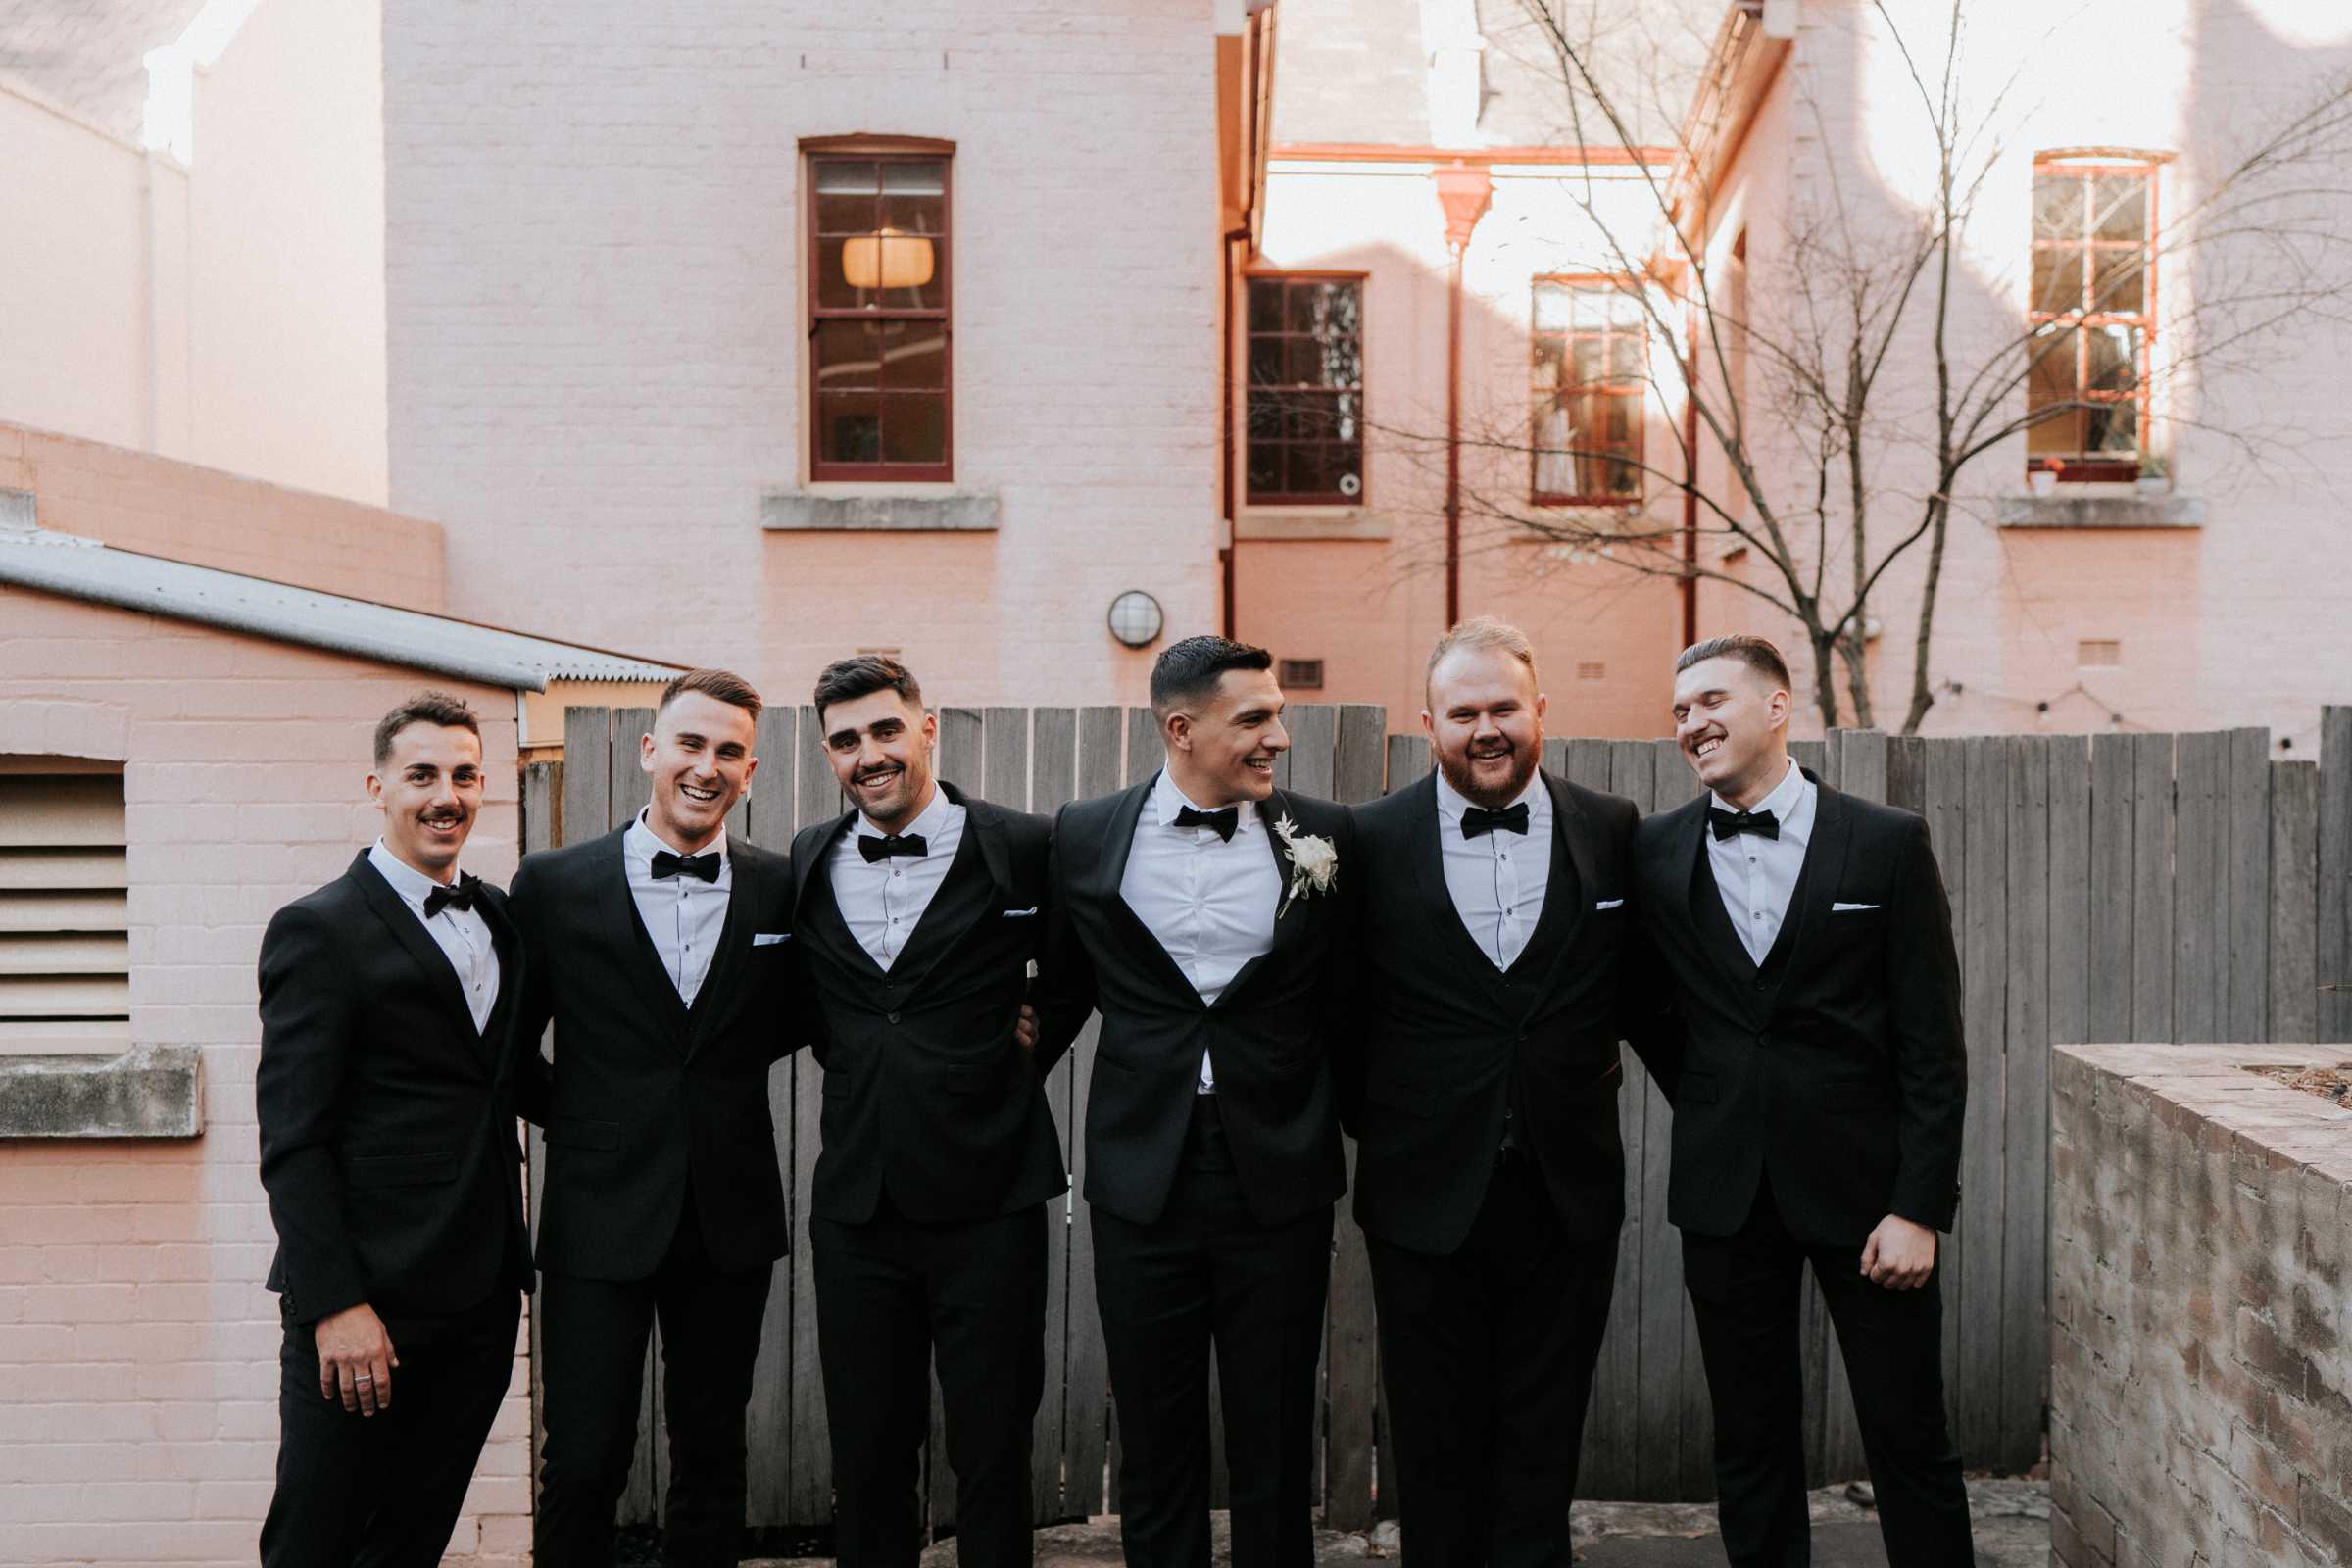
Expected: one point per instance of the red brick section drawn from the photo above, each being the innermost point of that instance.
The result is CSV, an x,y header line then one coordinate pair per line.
x,y
2201,1387
137,501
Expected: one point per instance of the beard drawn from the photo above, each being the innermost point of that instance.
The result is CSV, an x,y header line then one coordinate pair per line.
x,y
1457,766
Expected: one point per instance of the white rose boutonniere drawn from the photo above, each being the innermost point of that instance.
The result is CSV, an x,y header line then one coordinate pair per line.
x,y
1315,863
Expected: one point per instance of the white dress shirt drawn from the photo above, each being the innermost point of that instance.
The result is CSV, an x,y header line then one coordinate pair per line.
x,y
1497,880
1209,903
683,914
1757,875
882,901
463,934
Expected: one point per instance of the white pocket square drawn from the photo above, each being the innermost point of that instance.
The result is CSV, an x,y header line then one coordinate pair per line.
x,y
768,939
1608,904
1016,914
1851,909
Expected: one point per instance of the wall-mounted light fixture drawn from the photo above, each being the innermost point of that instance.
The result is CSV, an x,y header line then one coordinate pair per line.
x,y
1136,618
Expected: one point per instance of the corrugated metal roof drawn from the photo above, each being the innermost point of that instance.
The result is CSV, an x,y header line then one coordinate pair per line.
x,y
83,569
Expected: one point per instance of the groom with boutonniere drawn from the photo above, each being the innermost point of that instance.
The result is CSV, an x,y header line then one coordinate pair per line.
x,y
1198,911
1817,1114
1496,966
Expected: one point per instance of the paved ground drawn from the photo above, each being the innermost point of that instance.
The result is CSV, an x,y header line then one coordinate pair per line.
x,y
2012,1531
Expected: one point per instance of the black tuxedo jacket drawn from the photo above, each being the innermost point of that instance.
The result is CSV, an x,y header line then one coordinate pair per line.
x,y
1837,1066
645,1096
388,1122
1269,1032
927,1093
1443,1043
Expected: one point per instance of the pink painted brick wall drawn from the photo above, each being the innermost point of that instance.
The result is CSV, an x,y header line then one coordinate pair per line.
x,y
596,297
159,507
137,1347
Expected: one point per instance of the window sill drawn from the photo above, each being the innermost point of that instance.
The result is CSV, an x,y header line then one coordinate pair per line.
x,y
150,1092
1313,522
2105,506
846,508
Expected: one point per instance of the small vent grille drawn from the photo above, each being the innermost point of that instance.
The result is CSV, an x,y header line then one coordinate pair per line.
x,y
1303,674
2099,652
65,930
1592,669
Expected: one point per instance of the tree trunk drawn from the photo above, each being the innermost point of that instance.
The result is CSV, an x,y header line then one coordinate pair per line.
x,y
1825,676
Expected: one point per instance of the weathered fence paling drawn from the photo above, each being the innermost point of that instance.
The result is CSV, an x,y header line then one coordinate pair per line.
x,y
2123,886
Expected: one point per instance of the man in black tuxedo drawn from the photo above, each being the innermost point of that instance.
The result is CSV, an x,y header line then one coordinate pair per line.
x,y
386,1101
1497,965
1818,1110
1198,911
660,953
917,917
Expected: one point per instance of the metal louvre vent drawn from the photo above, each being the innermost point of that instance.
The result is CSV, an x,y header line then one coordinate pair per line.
x,y
1301,674
65,926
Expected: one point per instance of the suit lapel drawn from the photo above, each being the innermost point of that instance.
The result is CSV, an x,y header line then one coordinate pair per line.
x,y
1427,854
1711,924
1118,842
734,941
1287,933
401,921
1816,882
619,915
1569,890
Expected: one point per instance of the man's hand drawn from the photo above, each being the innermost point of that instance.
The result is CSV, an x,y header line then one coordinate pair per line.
x,y
1900,1254
1024,1029
356,1359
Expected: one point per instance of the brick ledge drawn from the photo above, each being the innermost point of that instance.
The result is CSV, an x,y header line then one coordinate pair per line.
x,y
941,511
148,1092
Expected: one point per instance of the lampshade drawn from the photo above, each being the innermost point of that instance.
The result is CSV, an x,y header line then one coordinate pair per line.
x,y
888,258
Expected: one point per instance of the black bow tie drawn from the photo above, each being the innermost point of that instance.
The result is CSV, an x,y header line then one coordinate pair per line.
x,y
879,849
1763,824
702,867
1478,821
461,896
1221,822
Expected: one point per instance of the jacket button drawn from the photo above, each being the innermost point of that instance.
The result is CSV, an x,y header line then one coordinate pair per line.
x,y
1763,1036
894,1017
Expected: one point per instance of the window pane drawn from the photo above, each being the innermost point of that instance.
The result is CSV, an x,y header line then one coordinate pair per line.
x,y
2061,434
1265,360
1319,361
914,354
1623,356
1264,415
1620,479
848,354
1589,308
2112,428
1552,307
1343,412
919,268
1265,468
1550,355
833,290
1265,305
1344,466
1625,309
2058,278
2057,206
846,191
2119,285
2050,373
1302,472
914,428
1344,305
915,177
2114,358
2120,206
914,197
1305,307
1307,417
1584,359
849,427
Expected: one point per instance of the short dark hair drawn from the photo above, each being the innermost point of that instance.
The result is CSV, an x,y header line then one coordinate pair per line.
x,y
426,707
721,685
1191,668
1756,653
845,680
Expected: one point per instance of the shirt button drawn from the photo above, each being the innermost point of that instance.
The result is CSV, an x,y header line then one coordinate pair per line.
x,y
891,1018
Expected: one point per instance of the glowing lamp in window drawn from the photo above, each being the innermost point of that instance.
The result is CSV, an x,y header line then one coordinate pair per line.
x,y
888,258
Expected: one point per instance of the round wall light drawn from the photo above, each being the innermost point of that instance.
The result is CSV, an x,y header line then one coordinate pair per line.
x,y
1136,618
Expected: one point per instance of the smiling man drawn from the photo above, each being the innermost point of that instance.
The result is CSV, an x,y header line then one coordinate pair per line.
x,y
386,1101
1198,910
918,915
1496,966
660,954
1818,1112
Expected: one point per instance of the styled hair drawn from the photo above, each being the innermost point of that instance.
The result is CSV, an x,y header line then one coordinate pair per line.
x,y
1487,633
845,680
721,684
1190,669
1756,653
426,707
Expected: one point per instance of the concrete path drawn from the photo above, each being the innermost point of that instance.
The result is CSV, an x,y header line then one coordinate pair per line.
x,y
2012,1526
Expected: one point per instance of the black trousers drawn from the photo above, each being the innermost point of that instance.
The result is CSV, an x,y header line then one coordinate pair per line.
x,y
384,1490
1744,1291
593,1336
1207,1274
888,1292
1489,1356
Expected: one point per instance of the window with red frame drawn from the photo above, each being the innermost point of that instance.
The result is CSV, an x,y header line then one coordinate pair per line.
x,y
1590,376
1307,390
878,315
2093,316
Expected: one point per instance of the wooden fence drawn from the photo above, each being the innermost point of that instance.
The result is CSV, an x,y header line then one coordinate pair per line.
x,y
2113,887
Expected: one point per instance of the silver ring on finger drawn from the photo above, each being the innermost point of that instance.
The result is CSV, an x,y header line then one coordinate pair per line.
x,y
365,1377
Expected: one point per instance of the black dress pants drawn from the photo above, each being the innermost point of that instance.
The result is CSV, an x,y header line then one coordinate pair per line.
x,y
592,1337
1744,1291
888,1292
1207,1274
1489,1355
384,1490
